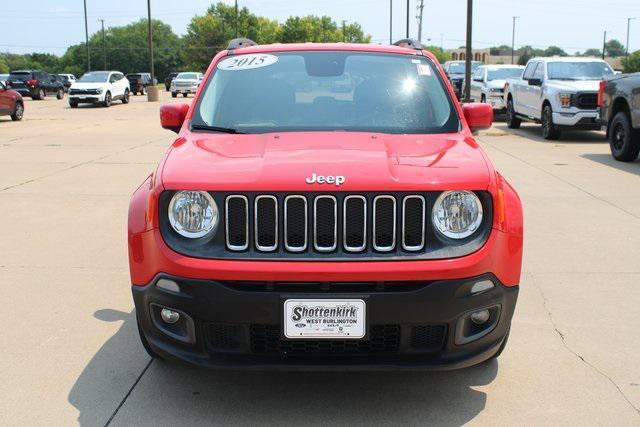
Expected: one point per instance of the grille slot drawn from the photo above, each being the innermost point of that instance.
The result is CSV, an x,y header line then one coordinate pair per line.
x,y
428,337
382,339
587,101
237,223
413,223
354,219
384,223
325,224
266,223
295,223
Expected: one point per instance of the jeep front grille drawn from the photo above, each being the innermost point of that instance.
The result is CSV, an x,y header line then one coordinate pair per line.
x,y
325,223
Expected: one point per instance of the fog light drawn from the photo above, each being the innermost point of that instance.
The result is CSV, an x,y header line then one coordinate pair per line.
x,y
481,286
479,317
171,317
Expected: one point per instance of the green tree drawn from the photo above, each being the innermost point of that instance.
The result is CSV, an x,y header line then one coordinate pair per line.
x,y
614,48
440,54
631,63
4,67
592,52
321,29
554,51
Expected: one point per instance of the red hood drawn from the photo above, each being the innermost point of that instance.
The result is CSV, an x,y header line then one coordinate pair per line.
x,y
369,162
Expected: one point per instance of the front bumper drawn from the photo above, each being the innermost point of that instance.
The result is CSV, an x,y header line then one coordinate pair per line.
x,y
497,103
410,325
184,89
577,119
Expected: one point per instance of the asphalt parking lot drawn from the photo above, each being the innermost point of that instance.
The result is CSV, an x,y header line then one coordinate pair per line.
x,y
70,350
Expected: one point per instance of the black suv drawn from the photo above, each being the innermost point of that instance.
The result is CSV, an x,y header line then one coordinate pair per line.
x,y
138,82
35,83
168,80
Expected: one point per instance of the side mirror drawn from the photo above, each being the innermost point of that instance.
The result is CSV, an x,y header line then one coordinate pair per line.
x,y
478,115
172,116
535,82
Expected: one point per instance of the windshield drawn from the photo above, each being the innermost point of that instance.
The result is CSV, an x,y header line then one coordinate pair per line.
x,y
188,76
21,75
504,73
578,70
94,77
459,67
352,91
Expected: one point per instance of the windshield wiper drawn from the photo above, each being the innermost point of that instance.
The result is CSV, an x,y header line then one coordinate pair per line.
x,y
215,129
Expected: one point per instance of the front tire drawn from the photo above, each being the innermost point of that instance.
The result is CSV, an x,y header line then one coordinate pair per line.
x,y
18,112
107,99
142,92
512,121
483,99
60,94
549,130
40,95
125,97
624,141
73,103
174,94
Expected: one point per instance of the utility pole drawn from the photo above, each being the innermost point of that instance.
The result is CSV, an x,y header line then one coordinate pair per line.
x,y
104,46
407,18
236,18
152,91
513,39
86,36
420,8
390,21
628,28
604,44
467,68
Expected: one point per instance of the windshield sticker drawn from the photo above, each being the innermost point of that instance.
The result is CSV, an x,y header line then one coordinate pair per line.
x,y
247,62
423,70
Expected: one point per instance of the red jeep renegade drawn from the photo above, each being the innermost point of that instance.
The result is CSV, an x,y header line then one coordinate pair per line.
x,y
325,206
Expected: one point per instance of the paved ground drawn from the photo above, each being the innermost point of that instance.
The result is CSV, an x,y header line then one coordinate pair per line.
x,y
70,353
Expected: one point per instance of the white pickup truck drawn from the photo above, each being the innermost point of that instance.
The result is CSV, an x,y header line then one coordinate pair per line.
x,y
558,92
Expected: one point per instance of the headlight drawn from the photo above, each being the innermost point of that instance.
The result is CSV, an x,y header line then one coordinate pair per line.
x,y
457,214
193,214
564,99
98,91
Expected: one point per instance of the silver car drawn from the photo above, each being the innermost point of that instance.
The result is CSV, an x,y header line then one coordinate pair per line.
x,y
487,83
185,83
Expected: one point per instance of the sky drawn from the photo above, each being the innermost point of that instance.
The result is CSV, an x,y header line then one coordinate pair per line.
x,y
574,25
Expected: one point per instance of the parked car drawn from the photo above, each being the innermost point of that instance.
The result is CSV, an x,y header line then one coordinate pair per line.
x,y
558,92
4,77
619,101
138,82
67,80
185,83
35,84
168,80
455,71
294,229
11,103
99,87
487,83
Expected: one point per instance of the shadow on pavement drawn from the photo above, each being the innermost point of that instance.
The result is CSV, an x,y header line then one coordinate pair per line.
x,y
608,160
176,394
534,132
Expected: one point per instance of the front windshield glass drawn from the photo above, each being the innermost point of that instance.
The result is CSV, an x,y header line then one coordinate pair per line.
x,y
503,73
459,67
94,77
187,76
352,91
578,70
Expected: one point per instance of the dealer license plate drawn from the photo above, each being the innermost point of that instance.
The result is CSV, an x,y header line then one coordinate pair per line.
x,y
324,318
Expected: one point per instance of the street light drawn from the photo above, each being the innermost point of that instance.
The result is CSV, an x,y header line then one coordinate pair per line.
x,y
390,21
628,27
604,44
152,90
467,70
513,39
104,46
86,36
407,18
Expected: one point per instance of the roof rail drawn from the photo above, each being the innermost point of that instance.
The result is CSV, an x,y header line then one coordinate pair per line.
x,y
240,42
410,43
